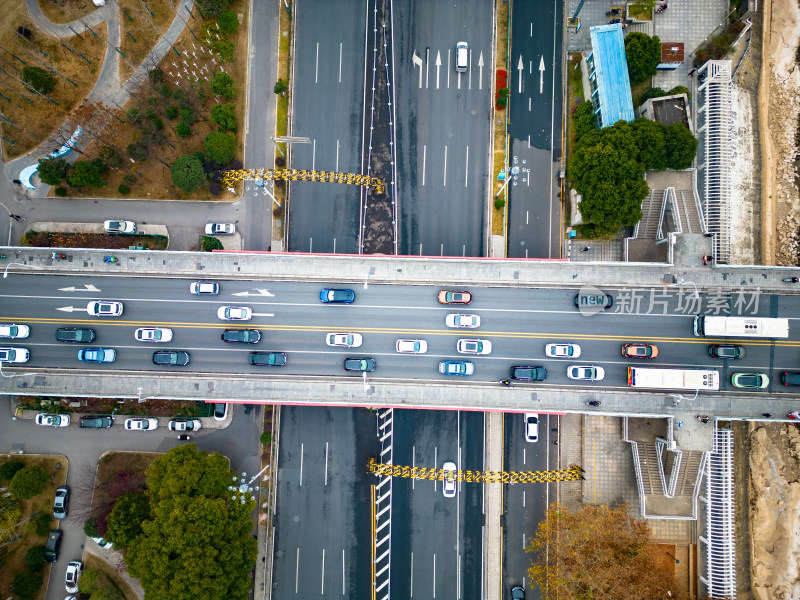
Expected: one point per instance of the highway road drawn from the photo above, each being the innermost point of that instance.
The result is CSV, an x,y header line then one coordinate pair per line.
x,y
518,322
327,103
535,129
442,126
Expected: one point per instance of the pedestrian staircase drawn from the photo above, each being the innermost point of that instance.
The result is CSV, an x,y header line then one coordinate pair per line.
x,y
669,211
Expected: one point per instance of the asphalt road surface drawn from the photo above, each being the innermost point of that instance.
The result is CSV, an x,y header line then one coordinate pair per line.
x,y
327,104
518,322
442,126
535,129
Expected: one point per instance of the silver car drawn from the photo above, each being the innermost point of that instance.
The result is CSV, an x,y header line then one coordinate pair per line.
x,y
153,334
220,229
585,372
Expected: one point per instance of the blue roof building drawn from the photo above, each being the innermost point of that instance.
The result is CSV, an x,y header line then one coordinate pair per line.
x,y
608,75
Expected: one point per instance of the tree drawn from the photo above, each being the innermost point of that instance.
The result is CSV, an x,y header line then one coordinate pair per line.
x,y
90,528
228,21
52,171
156,75
183,130
281,87
598,552
224,115
87,584
649,137
34,558
187,173
26,584
219,147
643,54
213,8
28,482
86,172
38,80
681,146
583,119
222,84
9,468
197,544
125,520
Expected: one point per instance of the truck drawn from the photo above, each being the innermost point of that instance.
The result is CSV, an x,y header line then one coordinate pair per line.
x,y
752,327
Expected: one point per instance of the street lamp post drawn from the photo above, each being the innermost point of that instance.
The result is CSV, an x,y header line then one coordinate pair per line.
x,y
682,282
240,490
13,375
5,273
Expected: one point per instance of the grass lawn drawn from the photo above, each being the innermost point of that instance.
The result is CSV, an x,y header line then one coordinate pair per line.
x,y
12,555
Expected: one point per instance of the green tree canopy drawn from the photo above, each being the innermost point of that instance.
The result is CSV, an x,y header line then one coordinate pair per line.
x,y
598,552
213,8
9,468
187,172
643,54
28,482
280,86
87,172
219,147
37,79
222,84
583,119
26,584
228,21
197,543
52,171
224,115
125,520
681,146
34,558
649,137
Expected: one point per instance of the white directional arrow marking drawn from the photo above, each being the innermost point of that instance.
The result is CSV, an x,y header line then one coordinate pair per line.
x,y
258,292
417,61
70,309
480,71
520,69
86,288
541,75
438,67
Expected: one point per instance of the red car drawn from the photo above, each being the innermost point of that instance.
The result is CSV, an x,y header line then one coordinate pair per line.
x,y
451,297
639,351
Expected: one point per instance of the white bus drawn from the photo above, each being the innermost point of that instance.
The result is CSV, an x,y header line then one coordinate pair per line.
x,y
754,327
673,379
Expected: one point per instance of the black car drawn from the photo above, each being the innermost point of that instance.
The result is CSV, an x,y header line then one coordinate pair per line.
x,y
243,336
53,546
523,373
267,359
61,503
95,422
726,351
75,335
171,358
790,378
359,364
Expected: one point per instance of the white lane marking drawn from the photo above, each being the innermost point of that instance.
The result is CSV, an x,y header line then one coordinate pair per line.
x,y
411,590
531,32
86,288
413,465
524,456
469,73
301,471
520,70
527,217
444,183
424,159
435,463
438,67
70,309
523,498
337,156
480,71
316,66
541,75
334,239
340,62
523,541
466,168
417,62
296,569
342,571
434,575
314,155
263,314
448,67
326,463
529,104
258,292
322,588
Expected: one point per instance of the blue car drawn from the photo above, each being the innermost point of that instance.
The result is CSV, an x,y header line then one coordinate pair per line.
x,y
337,296
97,355
456,367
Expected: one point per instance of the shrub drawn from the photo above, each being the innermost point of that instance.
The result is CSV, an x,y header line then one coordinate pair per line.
x,y
138,151
224,115
224,49
187,116
209,243
106,152
178,93
158,124
171,112
26,584
499,203
90,528
213,8
280,87
9,469
87,584
134,115
28,482
266,438
228,21
34,558
43,522
164,90
85,172
53,171
150,114
60,192
38,80
156,75
123,189
129,180
183,130
219,147
115,161
214,188
222,84
187,173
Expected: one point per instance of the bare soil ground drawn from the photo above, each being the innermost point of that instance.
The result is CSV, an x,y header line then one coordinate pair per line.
x,y
66,11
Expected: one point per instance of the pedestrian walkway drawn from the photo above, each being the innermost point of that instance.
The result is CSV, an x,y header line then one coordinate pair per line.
x,y
595,250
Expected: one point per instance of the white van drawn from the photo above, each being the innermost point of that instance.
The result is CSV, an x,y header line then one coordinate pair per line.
x,y
462,57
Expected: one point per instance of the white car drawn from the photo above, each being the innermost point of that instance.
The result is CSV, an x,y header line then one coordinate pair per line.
x,y
119,226
345,340
104,544
74,570
585,372
457,320
531,427
153,334
104,308
235,313
204,287
14,355
141,424
465,346
49,420
449,483
185,425
220,229
14,332
411,346
562,350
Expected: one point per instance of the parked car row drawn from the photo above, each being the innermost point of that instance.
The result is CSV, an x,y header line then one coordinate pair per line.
x,y
132,424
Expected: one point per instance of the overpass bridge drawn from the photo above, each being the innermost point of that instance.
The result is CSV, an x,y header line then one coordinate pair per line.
x,y
524,287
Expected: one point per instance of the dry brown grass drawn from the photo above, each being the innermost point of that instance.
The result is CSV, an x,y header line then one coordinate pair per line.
x,y
66,11
153,177
118,473
13,555
499,119
145,27
35,118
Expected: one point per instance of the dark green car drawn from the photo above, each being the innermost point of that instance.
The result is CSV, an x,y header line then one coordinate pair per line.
x,y
95,422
